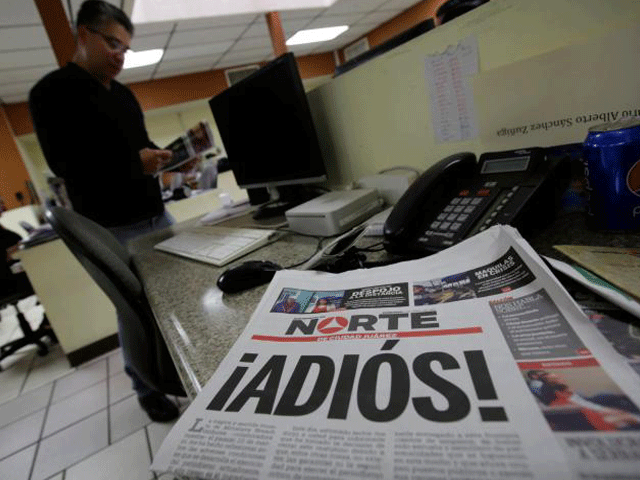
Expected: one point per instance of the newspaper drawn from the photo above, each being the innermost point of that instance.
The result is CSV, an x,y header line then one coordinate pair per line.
x,y
188,146
473,363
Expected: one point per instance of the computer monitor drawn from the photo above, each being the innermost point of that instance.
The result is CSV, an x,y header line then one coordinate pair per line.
x,y
268,132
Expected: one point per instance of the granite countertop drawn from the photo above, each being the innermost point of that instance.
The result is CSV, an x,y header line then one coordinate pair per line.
x,y
200,323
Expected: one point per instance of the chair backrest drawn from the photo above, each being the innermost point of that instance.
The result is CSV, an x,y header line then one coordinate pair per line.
x,y
111,266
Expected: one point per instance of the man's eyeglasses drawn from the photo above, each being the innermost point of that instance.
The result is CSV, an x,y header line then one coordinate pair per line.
x,y
112,42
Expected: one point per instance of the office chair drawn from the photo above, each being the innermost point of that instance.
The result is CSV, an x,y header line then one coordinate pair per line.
x,y
29,336
111,266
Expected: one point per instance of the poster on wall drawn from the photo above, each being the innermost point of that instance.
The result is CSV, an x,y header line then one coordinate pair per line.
x,y
554,98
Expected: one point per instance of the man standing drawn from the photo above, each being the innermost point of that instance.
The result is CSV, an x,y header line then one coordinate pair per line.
x,y
91,130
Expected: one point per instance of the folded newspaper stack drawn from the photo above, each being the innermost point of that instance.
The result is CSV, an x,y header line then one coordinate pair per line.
x,y
473,363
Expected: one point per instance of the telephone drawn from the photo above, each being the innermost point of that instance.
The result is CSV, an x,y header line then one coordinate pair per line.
x,y
457,198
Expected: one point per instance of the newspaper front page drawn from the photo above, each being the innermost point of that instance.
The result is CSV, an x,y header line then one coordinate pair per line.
x,y
472,363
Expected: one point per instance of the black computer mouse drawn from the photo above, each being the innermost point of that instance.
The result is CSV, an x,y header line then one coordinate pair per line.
x,y
247,275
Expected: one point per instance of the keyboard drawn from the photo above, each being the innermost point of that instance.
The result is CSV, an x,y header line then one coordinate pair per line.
x,y
216,245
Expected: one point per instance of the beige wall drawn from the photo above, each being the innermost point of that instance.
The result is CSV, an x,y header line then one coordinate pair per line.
x,y
378,115
33,159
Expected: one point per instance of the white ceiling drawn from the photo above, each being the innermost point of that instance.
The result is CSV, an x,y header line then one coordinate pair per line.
x,y
190,45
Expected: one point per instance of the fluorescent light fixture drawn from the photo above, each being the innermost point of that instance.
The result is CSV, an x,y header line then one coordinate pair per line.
x,y
142,59
149,11
314,35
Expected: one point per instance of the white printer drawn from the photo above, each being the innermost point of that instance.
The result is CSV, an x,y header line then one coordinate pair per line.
x,y
334,212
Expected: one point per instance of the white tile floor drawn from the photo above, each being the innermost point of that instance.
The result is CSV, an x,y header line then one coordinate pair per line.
x,y
64,423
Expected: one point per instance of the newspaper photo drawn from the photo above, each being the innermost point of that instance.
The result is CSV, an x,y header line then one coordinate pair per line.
x,y
473,363
187,147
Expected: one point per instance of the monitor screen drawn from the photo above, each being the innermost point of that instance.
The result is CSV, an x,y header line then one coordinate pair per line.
x,y
267,130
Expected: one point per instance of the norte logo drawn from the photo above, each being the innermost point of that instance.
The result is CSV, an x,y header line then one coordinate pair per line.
x,y
633,178
332,325
364,323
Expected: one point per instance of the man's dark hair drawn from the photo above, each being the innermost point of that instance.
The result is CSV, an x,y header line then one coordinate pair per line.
x,y
96,13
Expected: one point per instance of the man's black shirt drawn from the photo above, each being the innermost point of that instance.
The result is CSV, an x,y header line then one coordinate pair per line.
x,y
91,137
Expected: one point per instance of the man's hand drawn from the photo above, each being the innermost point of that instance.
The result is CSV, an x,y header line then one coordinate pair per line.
x,y
153,160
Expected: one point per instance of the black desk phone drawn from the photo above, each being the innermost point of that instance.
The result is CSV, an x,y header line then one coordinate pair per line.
x,y
457,198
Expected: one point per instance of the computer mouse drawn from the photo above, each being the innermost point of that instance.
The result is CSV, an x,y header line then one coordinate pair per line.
x,y
247,275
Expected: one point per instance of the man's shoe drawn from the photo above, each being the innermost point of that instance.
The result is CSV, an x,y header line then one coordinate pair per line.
x,y
159,407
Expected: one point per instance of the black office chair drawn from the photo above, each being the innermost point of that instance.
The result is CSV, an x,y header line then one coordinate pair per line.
x,y
111,266
29,336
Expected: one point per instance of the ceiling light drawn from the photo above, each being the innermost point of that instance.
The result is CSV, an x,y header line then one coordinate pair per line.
x,y
148,11
142,59
314,35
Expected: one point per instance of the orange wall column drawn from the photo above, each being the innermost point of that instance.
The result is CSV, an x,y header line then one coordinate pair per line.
x,y
13,173
277,33
58,29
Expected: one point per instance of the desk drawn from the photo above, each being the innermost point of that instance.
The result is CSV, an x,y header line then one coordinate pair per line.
x,y
201,324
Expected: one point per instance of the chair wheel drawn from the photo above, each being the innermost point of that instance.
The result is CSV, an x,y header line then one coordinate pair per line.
x,y
43,350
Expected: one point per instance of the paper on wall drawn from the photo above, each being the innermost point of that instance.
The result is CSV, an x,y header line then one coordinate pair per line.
x,y
448,77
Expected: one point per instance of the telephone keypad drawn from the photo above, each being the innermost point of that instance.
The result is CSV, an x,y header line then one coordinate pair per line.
x,y
456,215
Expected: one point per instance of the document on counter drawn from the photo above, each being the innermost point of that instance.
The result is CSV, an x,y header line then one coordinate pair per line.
x,y
620,266
448,77
472,363
599,285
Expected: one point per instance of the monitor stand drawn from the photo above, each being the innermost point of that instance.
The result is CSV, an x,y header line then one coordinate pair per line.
x,y
282,199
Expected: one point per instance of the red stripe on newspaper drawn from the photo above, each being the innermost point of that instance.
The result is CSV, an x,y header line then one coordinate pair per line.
x,y
581,362
364,336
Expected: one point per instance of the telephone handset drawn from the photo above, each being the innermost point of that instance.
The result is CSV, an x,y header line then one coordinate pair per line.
x,y
458,197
